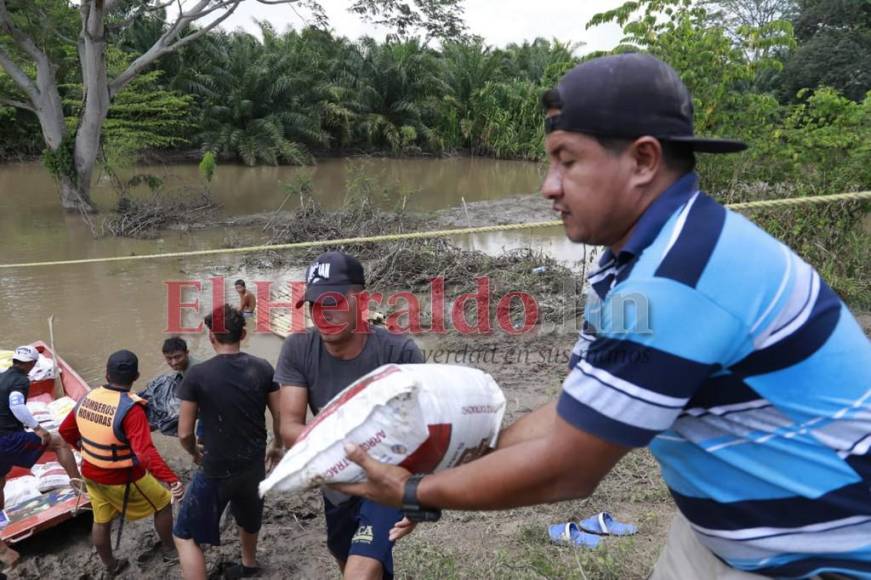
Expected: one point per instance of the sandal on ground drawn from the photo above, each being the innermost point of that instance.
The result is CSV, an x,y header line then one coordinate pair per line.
x,y
240,571
603,524
570,534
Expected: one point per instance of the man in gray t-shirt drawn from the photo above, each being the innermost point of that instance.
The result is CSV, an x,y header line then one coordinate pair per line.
x,y
316,365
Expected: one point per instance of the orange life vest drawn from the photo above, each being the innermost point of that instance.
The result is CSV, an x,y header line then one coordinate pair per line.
x,y
100,416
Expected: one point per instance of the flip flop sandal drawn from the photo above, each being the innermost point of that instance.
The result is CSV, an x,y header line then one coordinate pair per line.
x,y
603,524
570,534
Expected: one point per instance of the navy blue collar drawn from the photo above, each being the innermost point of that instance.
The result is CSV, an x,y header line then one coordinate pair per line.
x,y
654,217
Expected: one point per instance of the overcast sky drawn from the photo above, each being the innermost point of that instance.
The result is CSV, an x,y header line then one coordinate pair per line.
x,y
498,21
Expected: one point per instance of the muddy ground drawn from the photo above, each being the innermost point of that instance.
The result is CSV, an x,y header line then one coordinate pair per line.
x,y
511,543
509,210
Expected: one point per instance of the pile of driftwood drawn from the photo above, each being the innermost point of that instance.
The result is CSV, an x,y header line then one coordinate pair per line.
x,y
135,218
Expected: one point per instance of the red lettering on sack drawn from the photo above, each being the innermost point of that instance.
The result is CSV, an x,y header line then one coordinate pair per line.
x,y
346,396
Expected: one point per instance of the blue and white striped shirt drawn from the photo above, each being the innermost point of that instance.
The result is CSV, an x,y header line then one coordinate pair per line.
x,y
716,345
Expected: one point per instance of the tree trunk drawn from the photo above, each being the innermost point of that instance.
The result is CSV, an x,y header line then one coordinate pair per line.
x,y
92,56
73,197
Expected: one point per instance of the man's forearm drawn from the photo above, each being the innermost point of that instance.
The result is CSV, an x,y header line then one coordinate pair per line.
x,y
537,424
526,474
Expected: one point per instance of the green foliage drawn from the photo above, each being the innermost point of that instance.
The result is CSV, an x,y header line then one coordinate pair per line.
x,y
395,96
835,48
20,135
826,141
511,120
492,103
60,162
146,116
207,166
248,103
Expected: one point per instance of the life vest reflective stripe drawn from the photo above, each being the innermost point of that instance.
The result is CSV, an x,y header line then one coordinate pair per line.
x,y
100,417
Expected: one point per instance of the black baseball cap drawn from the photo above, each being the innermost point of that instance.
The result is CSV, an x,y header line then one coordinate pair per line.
x,y
122,367
627,96
332,272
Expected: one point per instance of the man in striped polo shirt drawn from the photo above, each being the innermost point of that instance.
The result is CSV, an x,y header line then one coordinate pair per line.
x,y
705,339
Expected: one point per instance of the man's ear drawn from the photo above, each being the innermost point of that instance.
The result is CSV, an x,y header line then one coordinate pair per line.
x,y
243,335
646,153
136,378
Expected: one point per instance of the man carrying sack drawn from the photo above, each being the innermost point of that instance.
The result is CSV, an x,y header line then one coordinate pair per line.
x,y
705,339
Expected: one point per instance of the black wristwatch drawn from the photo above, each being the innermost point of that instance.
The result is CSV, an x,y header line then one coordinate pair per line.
x,y
411,508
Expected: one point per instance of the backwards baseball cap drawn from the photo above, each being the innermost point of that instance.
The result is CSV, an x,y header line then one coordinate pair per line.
x,y
627,96
122,367
332,272
25,354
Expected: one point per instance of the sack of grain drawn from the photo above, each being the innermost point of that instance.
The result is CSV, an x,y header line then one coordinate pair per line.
x,y
50,475
39,410
20,489
423,417
60,408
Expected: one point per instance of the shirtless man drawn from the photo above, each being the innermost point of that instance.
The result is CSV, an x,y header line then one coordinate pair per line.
x,y
247,300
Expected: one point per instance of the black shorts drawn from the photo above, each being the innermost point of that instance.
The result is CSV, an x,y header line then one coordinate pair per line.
x,y
359,527
199,517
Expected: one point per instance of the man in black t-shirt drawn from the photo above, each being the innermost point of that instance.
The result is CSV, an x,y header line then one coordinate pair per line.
x,y
316,365
231,392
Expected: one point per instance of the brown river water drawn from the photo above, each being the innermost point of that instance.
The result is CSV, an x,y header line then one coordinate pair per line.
x,y
99,308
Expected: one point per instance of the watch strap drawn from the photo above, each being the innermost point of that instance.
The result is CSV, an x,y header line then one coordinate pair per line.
x,y
411,507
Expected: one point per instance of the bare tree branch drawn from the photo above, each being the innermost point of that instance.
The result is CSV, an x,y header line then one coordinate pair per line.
x,y
172,40
19,76
21,39
17,104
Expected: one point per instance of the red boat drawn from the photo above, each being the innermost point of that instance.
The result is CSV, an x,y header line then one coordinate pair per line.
x,y
50,509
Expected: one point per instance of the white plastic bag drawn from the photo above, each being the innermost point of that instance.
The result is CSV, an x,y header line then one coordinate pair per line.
x,y
42,370
423,417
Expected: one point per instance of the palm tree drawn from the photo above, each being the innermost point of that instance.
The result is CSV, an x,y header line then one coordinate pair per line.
x,y
467,68
395,89
542,61
249,113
